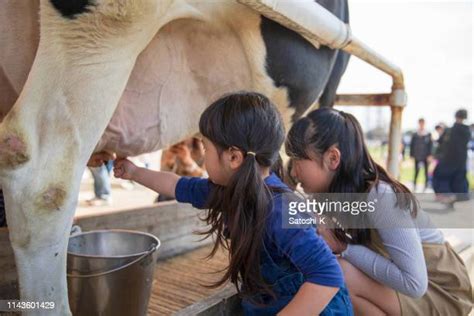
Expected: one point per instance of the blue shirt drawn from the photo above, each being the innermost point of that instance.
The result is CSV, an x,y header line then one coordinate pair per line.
x,y
301,246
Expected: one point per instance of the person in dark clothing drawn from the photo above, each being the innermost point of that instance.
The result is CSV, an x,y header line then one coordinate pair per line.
x,y
439,129
420,149
3,217
449,178
406,141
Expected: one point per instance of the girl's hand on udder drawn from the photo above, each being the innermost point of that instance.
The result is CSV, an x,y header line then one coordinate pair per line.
x,y
124,169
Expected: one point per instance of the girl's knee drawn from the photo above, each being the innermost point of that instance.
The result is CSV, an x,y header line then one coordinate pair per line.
x,y
353,276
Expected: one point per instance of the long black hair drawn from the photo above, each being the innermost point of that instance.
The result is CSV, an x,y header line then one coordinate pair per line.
x,y
357,171
237,212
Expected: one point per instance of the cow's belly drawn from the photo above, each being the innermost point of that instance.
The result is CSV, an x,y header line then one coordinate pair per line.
x,y
188,65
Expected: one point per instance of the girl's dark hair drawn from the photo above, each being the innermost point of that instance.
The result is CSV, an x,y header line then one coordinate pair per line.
x,y
357,172
237,213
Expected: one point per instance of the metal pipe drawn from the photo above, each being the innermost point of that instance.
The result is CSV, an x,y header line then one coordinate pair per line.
x,y
306,17
363,99
395,135
395,141
367,54
397,99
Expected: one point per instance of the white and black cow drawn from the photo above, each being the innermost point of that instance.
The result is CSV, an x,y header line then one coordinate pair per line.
x,y
117,75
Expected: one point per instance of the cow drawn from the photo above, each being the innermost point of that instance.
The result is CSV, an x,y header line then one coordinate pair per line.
x,y
129,77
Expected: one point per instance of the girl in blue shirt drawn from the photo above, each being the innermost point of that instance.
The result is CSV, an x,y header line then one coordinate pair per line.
x,y
297,274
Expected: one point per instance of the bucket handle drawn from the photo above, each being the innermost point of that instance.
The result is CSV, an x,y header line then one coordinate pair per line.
x,y
83,276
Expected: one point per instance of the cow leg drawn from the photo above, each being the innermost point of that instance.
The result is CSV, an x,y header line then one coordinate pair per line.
x,y
51,131
43,153
39,244
45,142
40,187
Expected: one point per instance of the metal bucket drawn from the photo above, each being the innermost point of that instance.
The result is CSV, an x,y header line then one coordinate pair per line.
x,y
110,272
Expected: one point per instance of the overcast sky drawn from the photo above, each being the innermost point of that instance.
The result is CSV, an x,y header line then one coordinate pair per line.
x,y
431,41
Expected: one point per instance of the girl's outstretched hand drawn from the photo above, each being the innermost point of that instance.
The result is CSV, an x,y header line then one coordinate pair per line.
x,y
124,169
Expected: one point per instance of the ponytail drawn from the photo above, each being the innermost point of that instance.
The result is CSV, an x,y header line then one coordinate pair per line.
x,y
237,214
238,211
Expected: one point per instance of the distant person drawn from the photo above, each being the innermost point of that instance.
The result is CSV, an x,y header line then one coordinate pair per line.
x,y
100,164
420,150
449,178
406,140
437,138
471,128
439,130
471,142
470,154
102,185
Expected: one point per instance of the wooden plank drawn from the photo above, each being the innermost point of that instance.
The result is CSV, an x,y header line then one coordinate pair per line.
x,y
223,303
178,281
8,270
9,290
173,223
5,246
8,275
157,213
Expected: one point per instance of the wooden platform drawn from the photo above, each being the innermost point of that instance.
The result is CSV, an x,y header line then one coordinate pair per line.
x,y
178,281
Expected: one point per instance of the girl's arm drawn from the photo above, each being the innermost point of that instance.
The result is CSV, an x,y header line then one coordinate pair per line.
x,y
158,181
184,189
310,255
161,182
311,299
406,270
